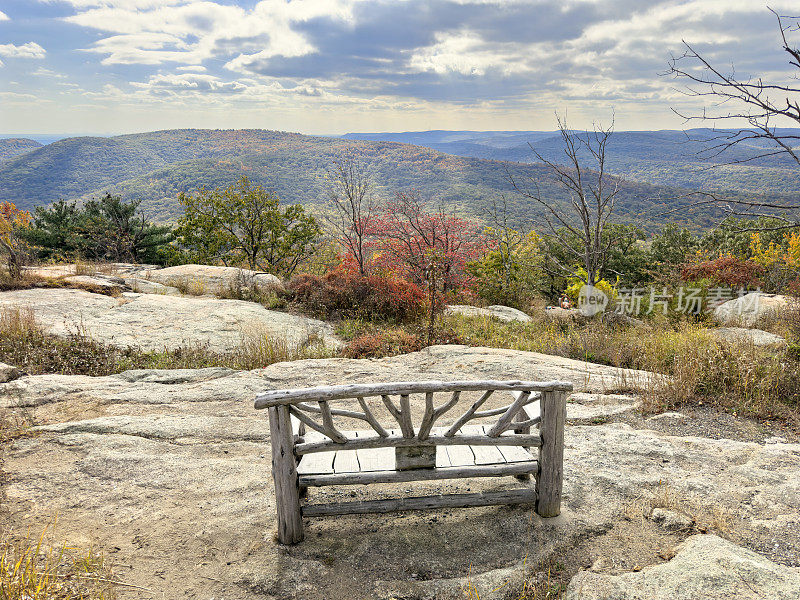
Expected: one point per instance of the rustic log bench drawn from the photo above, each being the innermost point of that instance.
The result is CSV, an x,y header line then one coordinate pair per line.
x,y
332,456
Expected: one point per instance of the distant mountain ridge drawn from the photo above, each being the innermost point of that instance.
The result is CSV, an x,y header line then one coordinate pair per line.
x,y
157,166
667,157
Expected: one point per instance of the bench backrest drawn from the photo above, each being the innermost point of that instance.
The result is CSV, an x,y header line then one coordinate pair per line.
x,y
313,407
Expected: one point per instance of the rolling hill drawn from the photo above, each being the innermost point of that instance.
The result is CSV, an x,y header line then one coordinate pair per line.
x,y
157,166
12,147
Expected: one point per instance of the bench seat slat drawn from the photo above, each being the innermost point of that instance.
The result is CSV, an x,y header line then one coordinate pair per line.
x,y
393,440
346,461
320,462
460,456
487,455
514,454
501,470
375,459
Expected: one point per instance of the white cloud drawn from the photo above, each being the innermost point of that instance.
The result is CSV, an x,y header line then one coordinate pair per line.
x,y
29,50
467,54
3,16
189,82
192,68
156,31
48,73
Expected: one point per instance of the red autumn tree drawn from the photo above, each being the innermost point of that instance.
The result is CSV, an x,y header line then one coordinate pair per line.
x,y
428,247
725,270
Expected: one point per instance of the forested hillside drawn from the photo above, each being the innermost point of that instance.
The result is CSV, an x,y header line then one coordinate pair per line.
x,y
11,147
157,166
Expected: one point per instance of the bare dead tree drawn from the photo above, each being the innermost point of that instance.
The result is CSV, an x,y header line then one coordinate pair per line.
x,y
353,205
761,107
592,195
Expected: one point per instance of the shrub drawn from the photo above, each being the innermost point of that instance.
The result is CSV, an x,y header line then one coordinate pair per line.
x,y
726,270
382,343
342,294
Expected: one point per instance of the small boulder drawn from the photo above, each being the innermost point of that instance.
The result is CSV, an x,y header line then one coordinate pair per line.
x,y
212,280
747,310
497,311
616,319
756,337
671,520
705,566
9,373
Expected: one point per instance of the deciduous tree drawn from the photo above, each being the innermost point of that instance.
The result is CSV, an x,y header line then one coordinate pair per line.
x,y
764,114
592,195
352,205
245,223
12,220
430,248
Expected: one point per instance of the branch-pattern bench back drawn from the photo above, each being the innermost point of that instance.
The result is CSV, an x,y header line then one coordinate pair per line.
x,y
313,407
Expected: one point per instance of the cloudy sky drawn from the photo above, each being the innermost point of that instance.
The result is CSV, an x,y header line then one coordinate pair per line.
x,y
331,66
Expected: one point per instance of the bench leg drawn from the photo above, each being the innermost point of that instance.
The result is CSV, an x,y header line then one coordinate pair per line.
x,y
551,454
284,474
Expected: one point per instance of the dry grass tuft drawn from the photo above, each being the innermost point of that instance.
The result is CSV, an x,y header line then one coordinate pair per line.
x,y
692,366
32,569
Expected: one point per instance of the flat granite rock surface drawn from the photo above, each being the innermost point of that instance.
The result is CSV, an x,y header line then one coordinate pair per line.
x,y
159,321
168,473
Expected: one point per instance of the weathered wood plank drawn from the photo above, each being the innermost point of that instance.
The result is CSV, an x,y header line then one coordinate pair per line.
x,y
551,453
317,463
518,468
284,475
522,496
434,440
337,392
346,461
375,459
514,454
442,457
487,455
460,456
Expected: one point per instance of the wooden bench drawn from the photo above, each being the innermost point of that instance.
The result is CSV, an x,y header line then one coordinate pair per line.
x,y
488,442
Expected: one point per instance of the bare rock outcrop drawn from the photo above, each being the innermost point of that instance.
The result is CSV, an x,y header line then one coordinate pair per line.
x,y
743,335
747,310
158,321
497,311
170,472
